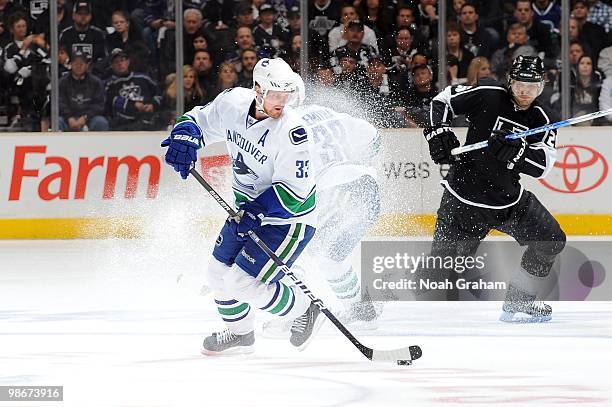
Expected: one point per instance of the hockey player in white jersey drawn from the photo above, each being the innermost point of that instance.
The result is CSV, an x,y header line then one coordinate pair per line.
x,y
349,199
274,188
348,203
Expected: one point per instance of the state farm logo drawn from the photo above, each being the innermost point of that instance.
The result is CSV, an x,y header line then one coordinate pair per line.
x,y
581,168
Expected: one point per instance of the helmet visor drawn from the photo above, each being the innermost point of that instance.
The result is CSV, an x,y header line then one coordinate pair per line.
x,y
278,98
526,89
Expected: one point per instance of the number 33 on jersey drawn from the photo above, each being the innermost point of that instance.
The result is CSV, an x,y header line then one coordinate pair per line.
x,y
271,158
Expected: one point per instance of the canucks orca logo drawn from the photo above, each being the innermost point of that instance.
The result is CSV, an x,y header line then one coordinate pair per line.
x,y
298,135
241,168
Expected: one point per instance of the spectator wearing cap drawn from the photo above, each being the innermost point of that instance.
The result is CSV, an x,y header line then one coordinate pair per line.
x,y
354,44
419,97
244,17
382,96
339,34
349,75
294,23
129,38
81,98
267,33
84,38
133,100
248,60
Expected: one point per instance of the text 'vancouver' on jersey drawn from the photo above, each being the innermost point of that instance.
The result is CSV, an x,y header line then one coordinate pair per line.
x,y
271,158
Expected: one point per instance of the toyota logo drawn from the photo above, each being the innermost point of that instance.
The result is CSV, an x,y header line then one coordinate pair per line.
x,y
581,168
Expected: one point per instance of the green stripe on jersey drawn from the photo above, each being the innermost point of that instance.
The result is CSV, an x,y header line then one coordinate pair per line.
x,y
292,203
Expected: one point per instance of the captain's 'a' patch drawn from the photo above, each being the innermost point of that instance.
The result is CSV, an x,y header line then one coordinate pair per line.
x,y
298,135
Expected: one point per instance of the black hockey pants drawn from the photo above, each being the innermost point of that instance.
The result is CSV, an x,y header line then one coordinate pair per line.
x,y
460,228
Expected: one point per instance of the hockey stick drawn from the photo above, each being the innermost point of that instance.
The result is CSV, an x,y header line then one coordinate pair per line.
x,y
402,356
552,126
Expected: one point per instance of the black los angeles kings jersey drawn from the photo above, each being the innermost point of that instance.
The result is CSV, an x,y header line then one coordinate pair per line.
x,y
479,179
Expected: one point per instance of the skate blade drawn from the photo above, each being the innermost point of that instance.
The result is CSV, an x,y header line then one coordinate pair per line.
x,y
240,350
522,318
318,324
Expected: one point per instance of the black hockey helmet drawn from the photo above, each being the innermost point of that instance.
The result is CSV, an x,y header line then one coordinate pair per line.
x,y
527,69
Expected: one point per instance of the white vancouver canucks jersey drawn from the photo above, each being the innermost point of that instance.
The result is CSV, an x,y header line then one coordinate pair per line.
x,y
344,145
271,158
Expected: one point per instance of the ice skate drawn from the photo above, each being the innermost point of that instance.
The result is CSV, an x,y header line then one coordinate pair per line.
x,y
228,343
521,307
306,326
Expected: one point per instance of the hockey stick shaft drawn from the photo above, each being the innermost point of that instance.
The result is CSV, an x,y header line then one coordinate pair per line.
x,y
367,352
530,132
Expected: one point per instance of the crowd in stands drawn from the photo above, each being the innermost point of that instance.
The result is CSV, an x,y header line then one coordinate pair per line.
x,y
117,58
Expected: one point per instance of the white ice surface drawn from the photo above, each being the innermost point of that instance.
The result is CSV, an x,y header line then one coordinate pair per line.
x,y
108,321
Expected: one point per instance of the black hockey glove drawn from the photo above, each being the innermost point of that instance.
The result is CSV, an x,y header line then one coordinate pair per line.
x,y
509,151
441,141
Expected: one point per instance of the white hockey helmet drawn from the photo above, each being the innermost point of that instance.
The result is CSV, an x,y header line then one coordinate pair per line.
x,y
274,75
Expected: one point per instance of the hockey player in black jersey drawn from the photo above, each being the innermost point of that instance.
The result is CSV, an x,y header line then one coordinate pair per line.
x,y
483,189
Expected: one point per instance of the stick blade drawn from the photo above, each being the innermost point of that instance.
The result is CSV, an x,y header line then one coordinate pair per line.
x,y
409,353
